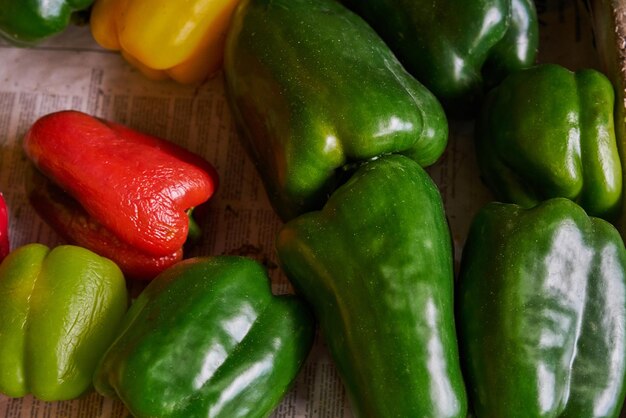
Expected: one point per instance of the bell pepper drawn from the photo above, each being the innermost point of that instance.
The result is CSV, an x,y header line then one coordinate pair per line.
x,y
60,310
314,90
376,265
66,216
609,33
4,229
542,313
548,132
163,38
207,338
26,22
136,187
457,48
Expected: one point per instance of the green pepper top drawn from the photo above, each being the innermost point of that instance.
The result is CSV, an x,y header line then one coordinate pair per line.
x,y
29,21
548,132
314,89
542,313
457,48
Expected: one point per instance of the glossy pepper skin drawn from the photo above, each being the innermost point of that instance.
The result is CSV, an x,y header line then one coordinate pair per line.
x,y
313,89
4,229
376,265
456,48
207,338
542,299
136,186
548,132
26,22
164,39
60,310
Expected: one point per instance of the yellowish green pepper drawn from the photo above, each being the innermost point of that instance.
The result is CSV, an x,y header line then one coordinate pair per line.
x,y
60,309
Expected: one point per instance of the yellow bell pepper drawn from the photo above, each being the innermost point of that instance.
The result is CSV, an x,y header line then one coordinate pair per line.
x,y
182,40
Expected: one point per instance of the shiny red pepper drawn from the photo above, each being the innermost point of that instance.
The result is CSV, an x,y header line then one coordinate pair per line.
x,y
132,191
4,229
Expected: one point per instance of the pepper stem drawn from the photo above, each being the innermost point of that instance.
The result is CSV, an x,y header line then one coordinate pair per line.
x,y
195,233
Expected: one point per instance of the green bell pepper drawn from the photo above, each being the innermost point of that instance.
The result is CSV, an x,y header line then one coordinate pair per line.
x,y
25,22
457,48
376,265
60,311
548,132
542,300
313,89
207,338
609,34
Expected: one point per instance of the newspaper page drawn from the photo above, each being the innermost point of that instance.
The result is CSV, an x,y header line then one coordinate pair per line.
x,y
71,71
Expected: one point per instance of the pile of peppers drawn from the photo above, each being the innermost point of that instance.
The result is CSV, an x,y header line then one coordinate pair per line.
x,y
341,111
541,297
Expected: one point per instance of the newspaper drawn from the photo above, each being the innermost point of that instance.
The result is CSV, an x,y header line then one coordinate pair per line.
x,y
70,71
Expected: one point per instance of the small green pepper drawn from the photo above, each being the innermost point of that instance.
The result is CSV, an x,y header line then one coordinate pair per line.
x,y
25,22
59,311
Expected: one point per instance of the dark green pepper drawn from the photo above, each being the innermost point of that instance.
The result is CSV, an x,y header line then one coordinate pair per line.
x,y
207,338
29,21
609,34
542,300
548,132
376,265
457,48
313,89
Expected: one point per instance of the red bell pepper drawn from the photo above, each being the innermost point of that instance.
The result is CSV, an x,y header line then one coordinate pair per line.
x,y
132,191
4,229
73,223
